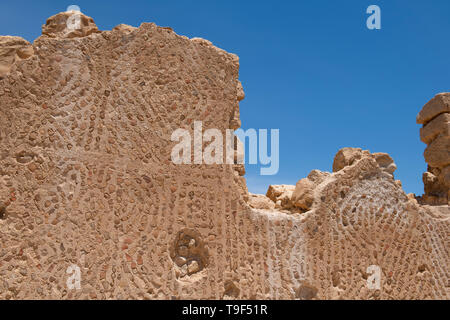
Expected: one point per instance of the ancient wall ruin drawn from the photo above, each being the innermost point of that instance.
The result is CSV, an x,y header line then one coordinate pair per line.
x,y
86,179
435,118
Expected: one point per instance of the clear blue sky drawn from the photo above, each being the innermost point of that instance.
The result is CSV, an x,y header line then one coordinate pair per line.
x,y
310,68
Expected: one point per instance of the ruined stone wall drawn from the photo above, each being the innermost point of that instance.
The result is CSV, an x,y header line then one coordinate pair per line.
x,y
86,179
435,118
352,219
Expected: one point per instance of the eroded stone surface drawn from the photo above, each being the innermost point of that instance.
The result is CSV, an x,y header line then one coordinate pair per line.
x,y
259,201
70,24
85,136
281,195
346,157
438,105
438,126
